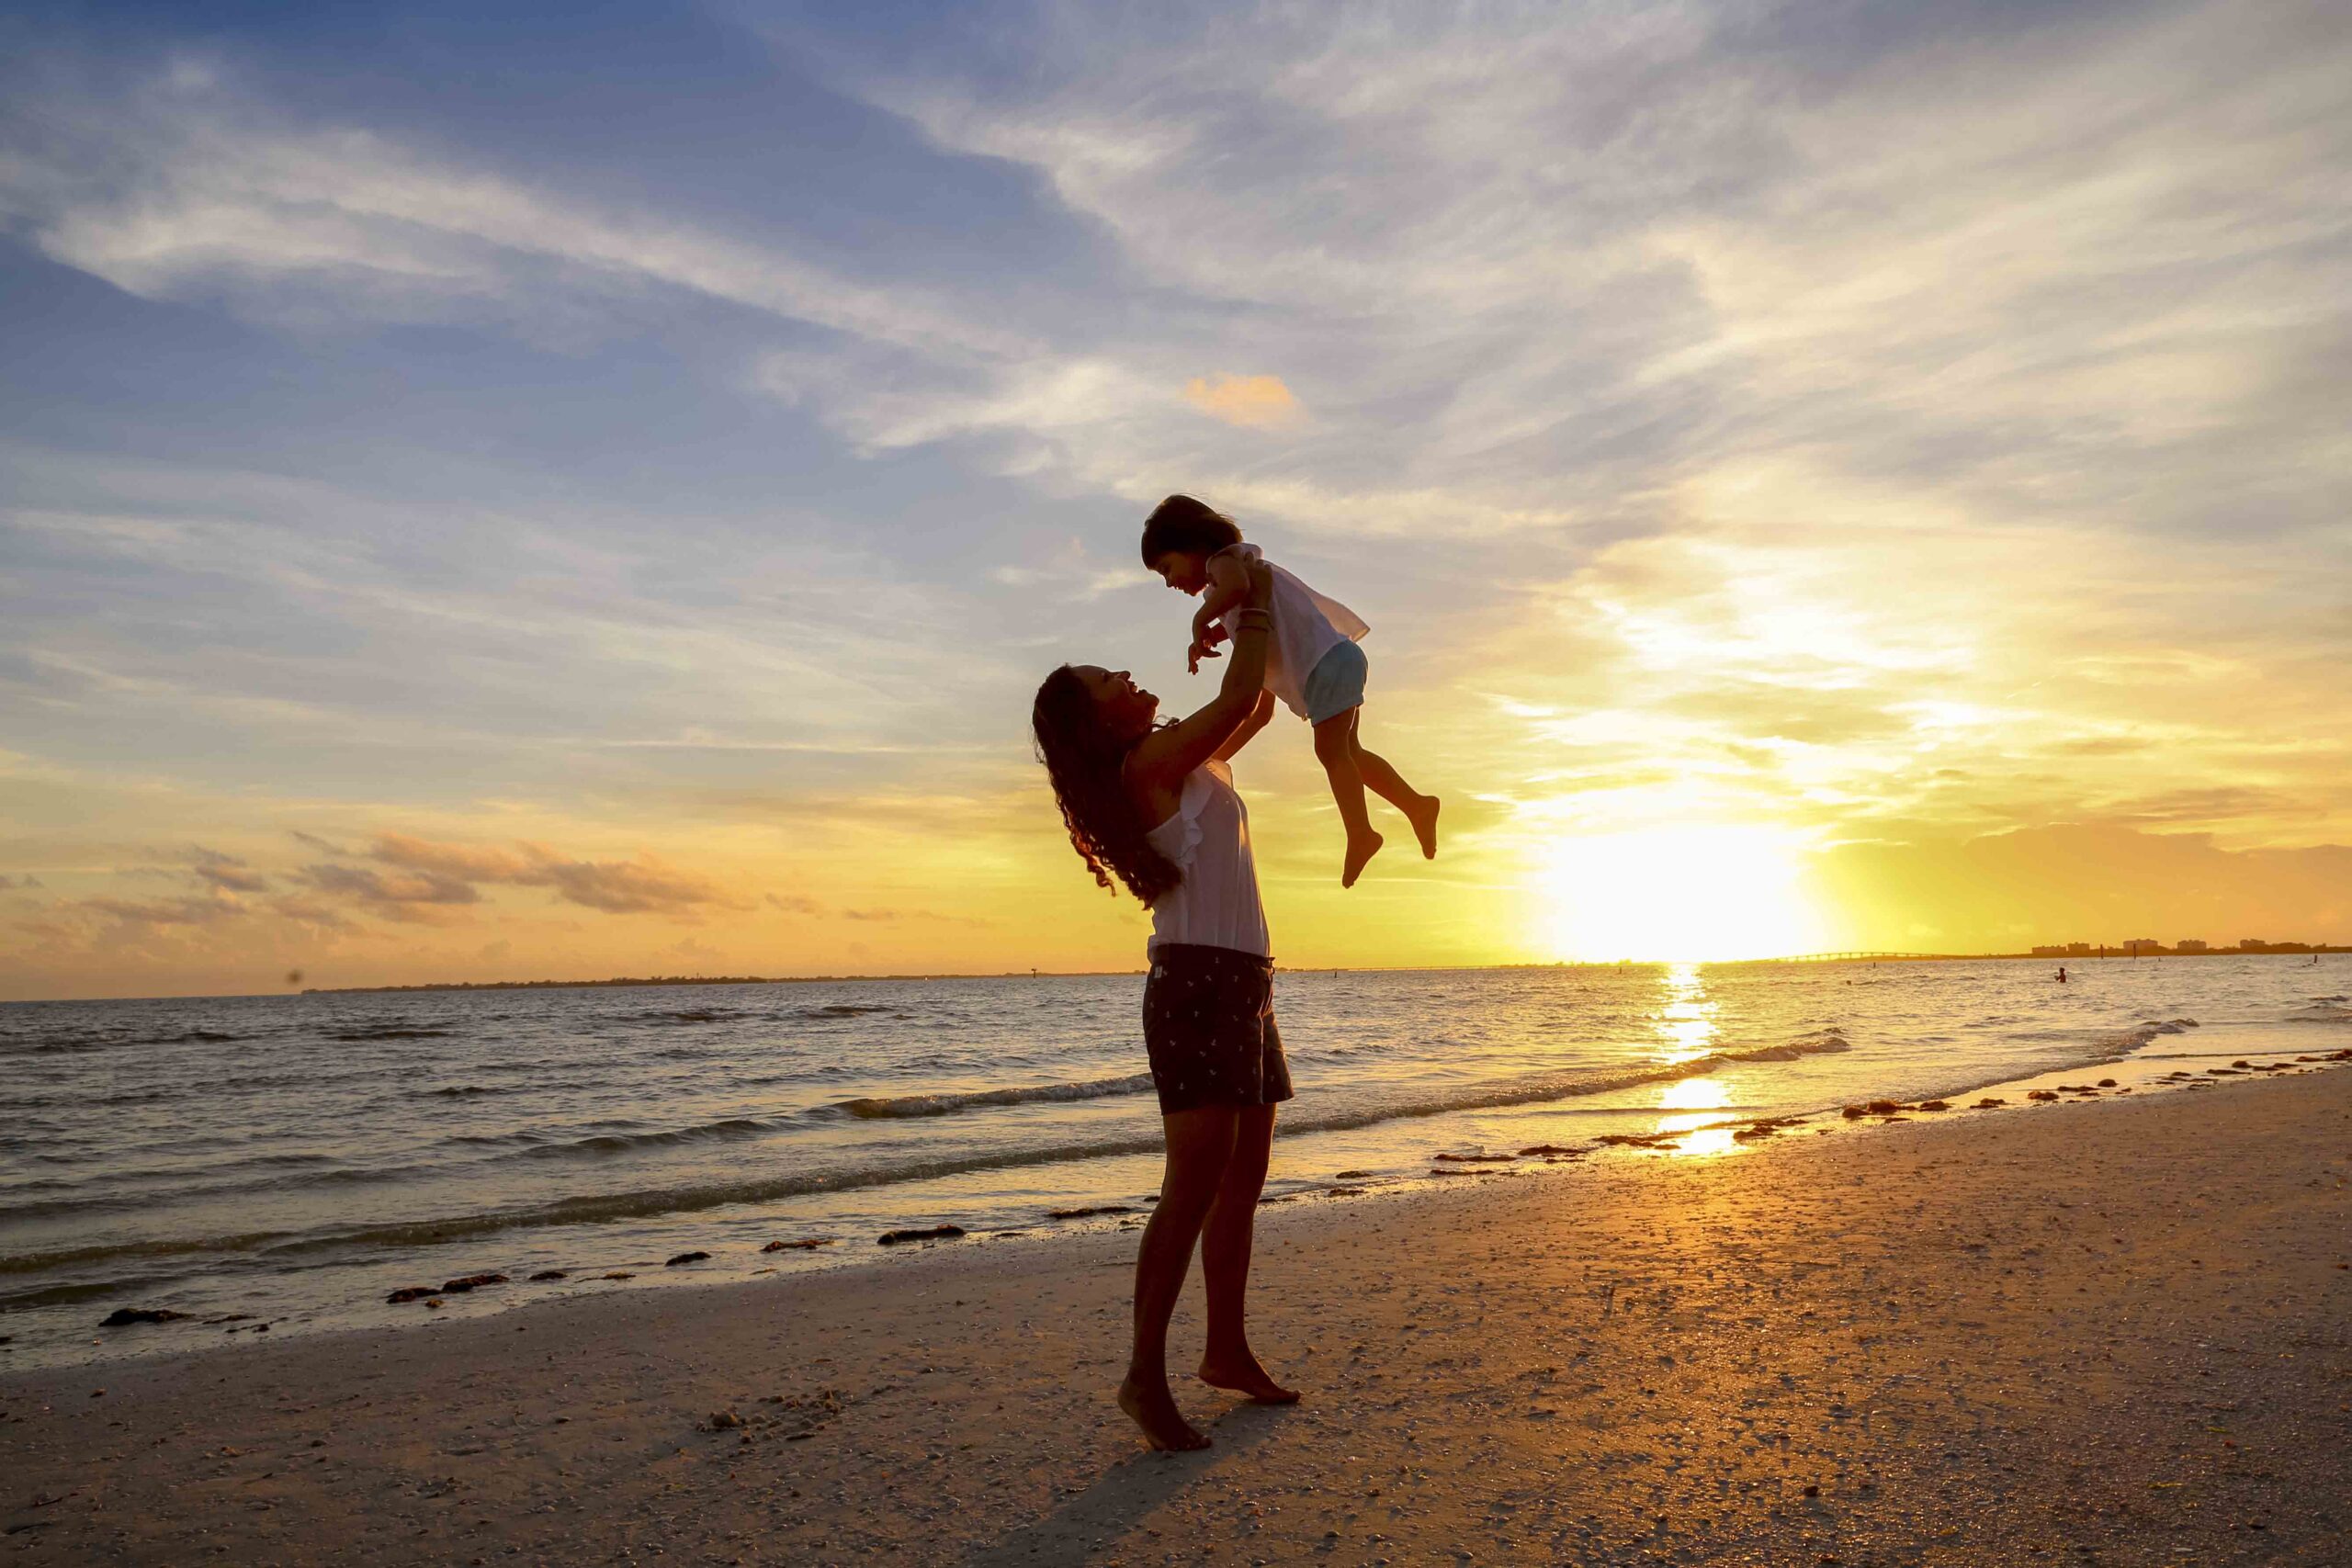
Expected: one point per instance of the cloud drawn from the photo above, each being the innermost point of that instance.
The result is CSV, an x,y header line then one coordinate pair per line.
x,y
161,912
457,862
1252,401
642,885
890,916
183,187
227,874
1548,261
792,903
17,884
314,914
417,897
626,888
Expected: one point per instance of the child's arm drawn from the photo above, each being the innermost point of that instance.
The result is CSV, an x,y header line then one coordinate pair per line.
x,y
1228,588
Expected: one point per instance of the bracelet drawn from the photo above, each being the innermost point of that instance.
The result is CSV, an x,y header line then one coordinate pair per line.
x,y
1254,617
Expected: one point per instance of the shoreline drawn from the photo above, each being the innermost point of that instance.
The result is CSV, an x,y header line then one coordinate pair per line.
x,y
1532,1369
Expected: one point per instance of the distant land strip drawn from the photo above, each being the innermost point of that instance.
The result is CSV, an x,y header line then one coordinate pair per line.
x,y
2111,955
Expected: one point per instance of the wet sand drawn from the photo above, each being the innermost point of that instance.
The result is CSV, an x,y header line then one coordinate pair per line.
x,y
2117,1333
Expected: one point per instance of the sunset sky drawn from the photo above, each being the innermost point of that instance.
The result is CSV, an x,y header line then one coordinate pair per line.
x,y
499,492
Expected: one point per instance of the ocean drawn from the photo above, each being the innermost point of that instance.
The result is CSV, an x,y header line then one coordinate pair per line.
x,y
273,1165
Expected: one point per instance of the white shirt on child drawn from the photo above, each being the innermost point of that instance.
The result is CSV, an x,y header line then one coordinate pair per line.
x,y
1306,627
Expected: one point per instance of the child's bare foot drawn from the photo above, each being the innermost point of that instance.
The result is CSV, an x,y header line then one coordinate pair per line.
x,y
1422,814
1151,1406
1243,1375
1362,847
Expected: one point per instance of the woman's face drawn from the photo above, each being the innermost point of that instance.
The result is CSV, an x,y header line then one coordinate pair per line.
x,y
1127,708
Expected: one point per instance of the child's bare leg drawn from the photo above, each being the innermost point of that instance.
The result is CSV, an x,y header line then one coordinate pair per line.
x,y
1385,781
1335,748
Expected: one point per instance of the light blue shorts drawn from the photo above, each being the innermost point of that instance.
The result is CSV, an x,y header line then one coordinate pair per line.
x,y
1336,683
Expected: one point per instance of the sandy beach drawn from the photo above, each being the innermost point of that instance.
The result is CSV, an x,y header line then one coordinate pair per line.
x,y
2117,1333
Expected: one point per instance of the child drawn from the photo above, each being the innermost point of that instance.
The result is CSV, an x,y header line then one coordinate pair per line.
x,y
1314,663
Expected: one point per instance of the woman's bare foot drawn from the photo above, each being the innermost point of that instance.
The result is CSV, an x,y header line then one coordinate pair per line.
x,y
1422,814
1151,1406
1362,847
1242,1374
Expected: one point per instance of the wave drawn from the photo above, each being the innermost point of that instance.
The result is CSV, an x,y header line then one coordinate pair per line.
x,y
608,1143
85,1102
138,1189
462,1091
392,1032
2322,1010
1567,1086
606,1206
910,1105
165,1247
1818,1043
849,1010
76,1045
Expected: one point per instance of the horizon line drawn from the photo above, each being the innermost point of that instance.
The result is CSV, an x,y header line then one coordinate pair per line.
x,y
2270,950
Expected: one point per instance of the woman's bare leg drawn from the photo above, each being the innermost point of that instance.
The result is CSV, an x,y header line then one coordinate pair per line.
x,y
1229,1361
1200,1149
1335,748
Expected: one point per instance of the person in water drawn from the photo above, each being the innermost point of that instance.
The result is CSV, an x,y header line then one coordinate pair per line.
x,y
1153,805
1315,664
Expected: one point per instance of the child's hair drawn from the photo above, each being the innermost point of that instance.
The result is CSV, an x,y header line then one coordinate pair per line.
x,y
1082,760
1181,524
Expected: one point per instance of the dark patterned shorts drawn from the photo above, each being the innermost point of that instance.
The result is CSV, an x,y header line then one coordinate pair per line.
x,y
1208,1024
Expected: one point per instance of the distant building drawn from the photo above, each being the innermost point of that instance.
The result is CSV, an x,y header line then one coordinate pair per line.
x,y
2050,952
2190,944
2137,945
2251,944
2079,950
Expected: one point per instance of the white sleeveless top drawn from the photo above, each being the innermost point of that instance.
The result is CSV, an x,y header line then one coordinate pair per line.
x,y
1307,626
1216,904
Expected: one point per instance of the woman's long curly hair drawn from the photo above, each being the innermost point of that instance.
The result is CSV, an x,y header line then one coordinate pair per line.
x,y
1083,759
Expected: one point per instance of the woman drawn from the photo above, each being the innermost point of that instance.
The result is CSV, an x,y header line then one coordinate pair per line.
x,y
1156,808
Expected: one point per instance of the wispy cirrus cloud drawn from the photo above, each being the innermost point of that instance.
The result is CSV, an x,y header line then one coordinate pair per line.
x,y
187,187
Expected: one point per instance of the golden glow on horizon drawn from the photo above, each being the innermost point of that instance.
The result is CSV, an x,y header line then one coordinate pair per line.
x,y
1694,894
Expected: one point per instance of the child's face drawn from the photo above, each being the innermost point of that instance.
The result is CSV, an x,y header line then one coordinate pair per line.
x,y
1187,572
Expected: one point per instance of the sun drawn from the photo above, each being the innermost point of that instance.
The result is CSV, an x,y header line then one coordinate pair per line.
x,y
1699,893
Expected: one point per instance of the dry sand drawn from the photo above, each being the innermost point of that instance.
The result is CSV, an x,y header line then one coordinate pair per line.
x,y
2109,1334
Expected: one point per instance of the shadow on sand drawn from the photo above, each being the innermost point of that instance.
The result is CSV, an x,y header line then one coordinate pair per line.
x,y
1123,1494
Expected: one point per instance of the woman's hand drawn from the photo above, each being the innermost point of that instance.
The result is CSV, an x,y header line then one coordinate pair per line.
x,y
1156,768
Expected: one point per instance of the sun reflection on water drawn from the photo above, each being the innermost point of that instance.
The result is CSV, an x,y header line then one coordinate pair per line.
x,y
1695,1094
1686,1024
1686,1028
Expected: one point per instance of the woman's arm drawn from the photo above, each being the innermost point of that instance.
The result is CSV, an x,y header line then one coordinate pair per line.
x,y
1162,758
1250,726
